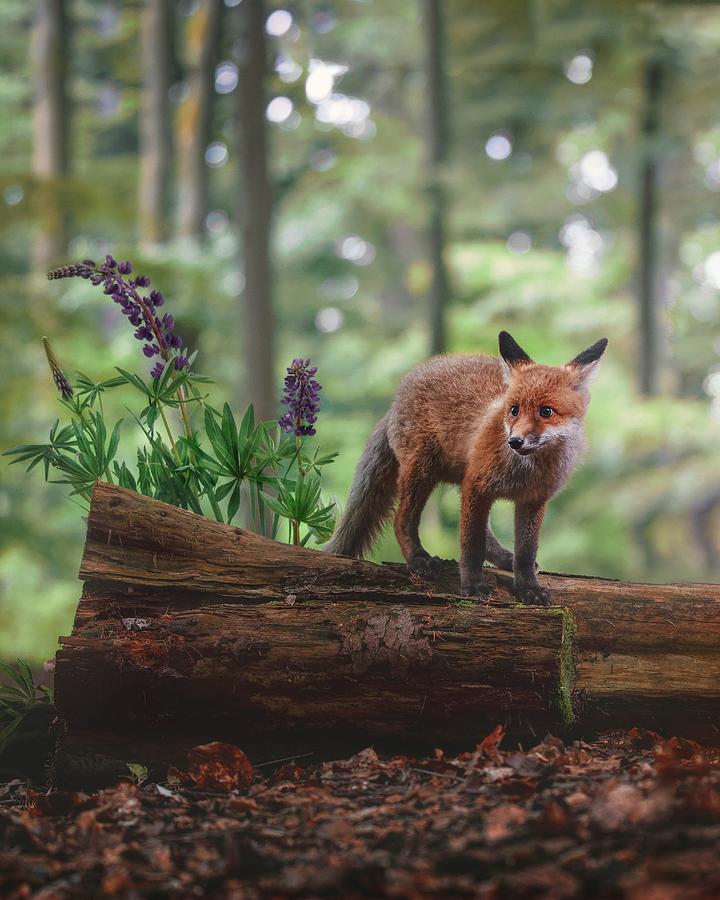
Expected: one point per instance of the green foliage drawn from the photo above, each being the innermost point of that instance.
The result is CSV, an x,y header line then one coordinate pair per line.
x,y
20,701
138,772
628,511
245,460
301,503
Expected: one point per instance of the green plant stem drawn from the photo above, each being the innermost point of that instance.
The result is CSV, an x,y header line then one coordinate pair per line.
x,y
169,434
298,454
183,412
295,531
173,447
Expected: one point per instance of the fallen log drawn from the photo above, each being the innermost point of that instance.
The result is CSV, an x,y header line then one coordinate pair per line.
x,y
189,631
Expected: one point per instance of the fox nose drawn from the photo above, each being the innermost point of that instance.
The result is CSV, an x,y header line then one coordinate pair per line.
x,y
516,442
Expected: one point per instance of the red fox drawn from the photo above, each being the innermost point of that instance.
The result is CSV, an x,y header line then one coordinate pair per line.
x,y
501,428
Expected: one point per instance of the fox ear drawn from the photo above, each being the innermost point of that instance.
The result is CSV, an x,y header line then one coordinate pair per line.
x,y
585,363
510,351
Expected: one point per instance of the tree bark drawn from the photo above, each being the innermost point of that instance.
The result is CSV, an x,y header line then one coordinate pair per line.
x,y
194,117
255,213
649,312
437,152
155,137
190,630
50,129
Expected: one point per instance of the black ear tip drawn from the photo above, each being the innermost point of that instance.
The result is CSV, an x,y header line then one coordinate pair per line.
x,y
510,350
592,354
600,346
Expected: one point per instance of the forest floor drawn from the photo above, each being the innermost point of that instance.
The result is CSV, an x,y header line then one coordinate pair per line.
x,y
630,815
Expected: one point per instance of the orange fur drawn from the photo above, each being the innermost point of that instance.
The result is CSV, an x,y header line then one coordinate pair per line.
x,y
451,422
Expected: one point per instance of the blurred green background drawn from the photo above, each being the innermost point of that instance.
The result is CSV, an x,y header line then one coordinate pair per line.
x,y
436,171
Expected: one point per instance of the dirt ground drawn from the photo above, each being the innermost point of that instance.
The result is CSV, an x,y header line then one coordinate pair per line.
x,y
630,815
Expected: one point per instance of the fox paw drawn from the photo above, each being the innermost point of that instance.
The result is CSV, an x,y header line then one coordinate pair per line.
x,y
425,566
532,594
475,587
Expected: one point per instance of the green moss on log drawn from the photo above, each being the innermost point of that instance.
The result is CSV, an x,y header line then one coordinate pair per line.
x,y
567,665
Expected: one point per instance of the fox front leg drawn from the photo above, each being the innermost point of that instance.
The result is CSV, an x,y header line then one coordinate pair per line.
x,y
528,519
474,518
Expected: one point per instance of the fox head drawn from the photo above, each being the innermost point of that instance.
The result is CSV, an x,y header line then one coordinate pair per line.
x,y
544,405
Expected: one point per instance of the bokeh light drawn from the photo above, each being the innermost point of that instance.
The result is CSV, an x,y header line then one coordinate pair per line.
x,y
216,154
329,319
580,69
498,146
279,110
13,194
226,77
279,23
519,242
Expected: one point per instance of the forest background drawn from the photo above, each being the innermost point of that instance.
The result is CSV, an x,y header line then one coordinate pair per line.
x,y
365,183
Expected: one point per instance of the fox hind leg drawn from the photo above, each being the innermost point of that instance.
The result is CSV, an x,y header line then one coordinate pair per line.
x,y
416,481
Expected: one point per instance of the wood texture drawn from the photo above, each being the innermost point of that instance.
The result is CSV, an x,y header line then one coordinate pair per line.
x,y
190,630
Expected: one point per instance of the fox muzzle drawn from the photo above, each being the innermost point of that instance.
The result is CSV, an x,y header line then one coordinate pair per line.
x,y
523,446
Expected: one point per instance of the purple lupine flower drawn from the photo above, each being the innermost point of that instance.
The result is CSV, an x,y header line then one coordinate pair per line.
x,y
80,270
158,334
61,382
301,395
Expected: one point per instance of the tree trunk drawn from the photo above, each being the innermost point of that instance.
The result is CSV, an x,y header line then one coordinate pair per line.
x,y
190,630
254,214
649,312
195,116
50,130
155,139
437,152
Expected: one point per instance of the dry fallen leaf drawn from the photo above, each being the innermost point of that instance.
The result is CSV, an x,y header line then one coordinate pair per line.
x,y
220,767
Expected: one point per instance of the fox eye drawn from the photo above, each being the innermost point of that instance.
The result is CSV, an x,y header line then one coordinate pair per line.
x,y
546,411
514,409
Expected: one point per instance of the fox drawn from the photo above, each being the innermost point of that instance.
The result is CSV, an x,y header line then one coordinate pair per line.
x,y
500,428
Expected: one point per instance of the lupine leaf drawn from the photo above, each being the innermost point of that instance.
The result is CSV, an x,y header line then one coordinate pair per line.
x,y
233,503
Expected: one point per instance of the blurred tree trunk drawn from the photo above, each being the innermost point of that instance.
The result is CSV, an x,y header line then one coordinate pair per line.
x,y
254,213
155,139
195,115
437,153
50,129
649,303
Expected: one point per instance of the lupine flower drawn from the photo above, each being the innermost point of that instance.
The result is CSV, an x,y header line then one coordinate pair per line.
x,y
157,333
61,382
301,395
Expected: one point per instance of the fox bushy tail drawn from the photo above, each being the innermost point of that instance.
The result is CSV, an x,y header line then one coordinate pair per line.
x,y
371,497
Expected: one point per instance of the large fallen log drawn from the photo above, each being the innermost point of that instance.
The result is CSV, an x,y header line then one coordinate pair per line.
x,y
189,630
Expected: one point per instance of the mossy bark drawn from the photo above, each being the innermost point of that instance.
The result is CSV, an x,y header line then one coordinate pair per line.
x,y
189,630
